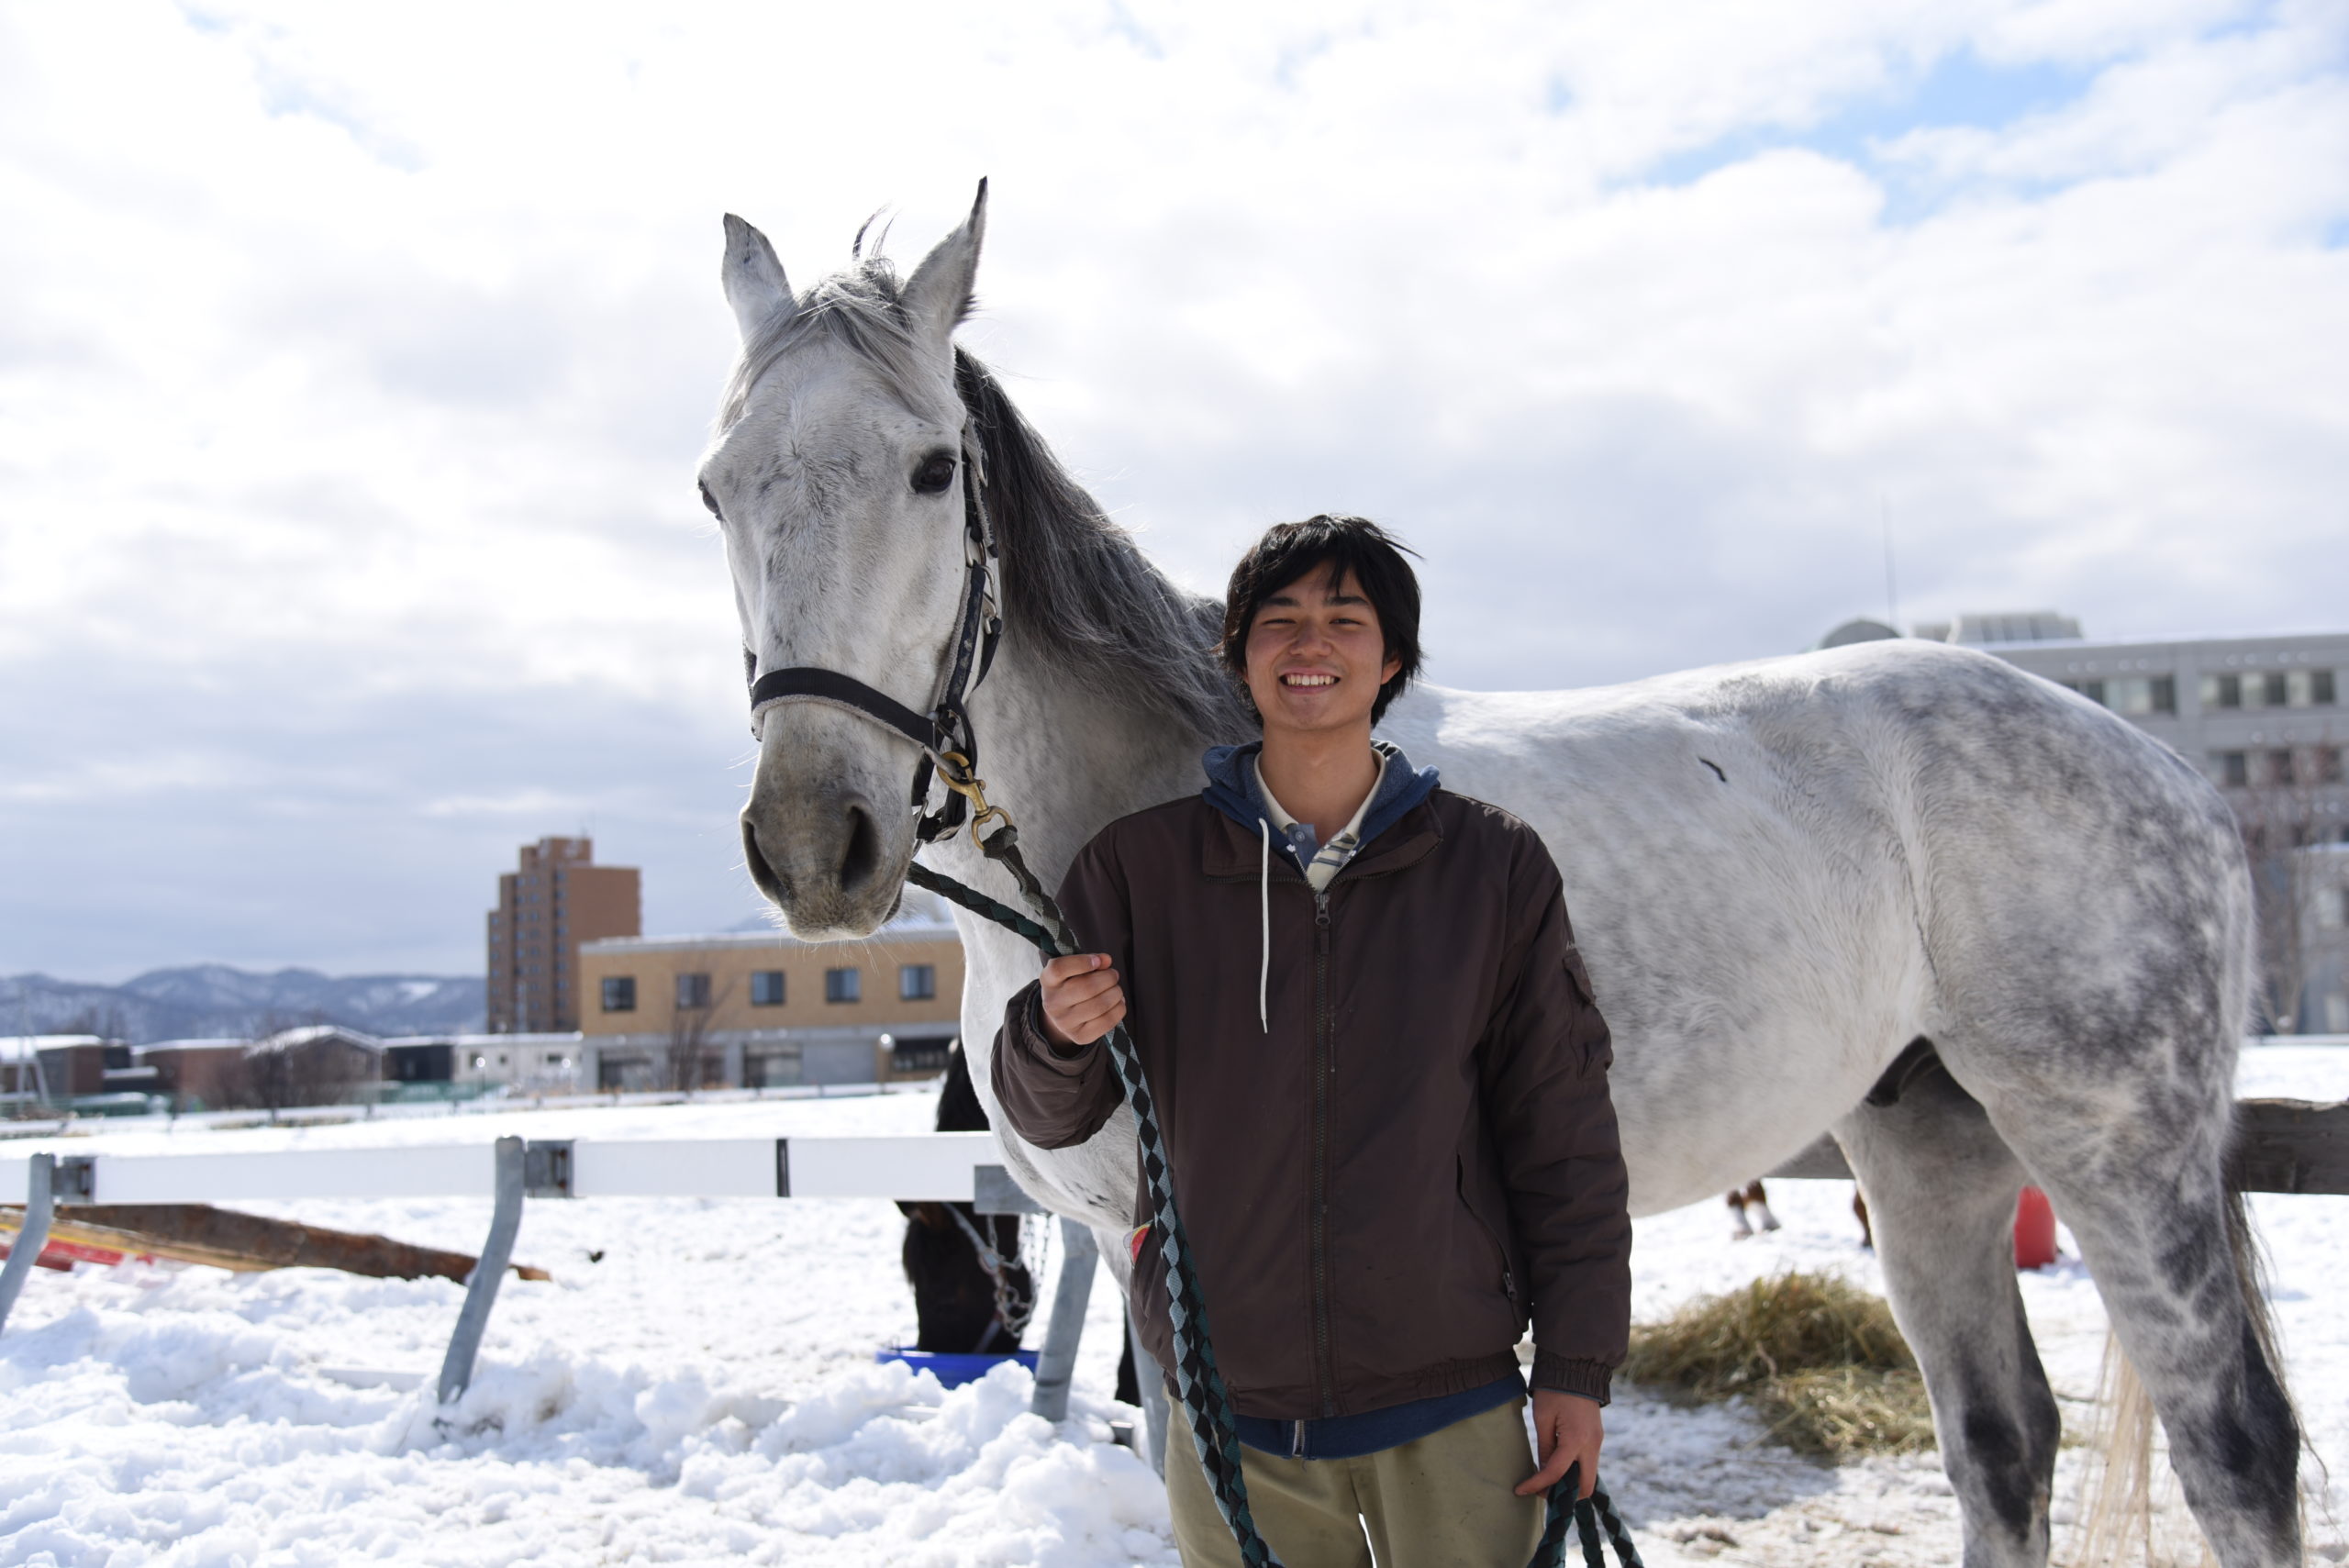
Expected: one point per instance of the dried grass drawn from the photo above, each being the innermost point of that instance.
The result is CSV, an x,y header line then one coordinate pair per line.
x,y
1821,1360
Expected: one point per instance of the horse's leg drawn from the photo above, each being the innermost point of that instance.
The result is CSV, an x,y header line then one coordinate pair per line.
x,y
2142,1187
1760,1198
1740,1229
1942,1186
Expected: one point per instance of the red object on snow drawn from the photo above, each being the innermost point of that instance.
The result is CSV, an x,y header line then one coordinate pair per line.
x,y
63,1255
2034,1229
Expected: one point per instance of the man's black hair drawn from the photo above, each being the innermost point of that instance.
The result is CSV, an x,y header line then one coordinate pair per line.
x,y
1355,547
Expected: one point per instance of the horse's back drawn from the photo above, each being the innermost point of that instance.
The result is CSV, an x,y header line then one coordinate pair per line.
x,y
1781,871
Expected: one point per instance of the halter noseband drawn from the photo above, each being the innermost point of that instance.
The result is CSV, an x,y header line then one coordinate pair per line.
x,y
949,745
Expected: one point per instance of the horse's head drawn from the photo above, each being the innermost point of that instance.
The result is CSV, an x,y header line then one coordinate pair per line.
x,y
836,481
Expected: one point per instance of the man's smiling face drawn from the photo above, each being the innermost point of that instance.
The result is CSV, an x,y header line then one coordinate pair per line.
x,y
1317,655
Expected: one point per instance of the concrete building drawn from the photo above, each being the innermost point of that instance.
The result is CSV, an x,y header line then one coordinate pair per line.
x,y
198,1074
41,1071
544,1063
2262,717
314,1065
2323,880
762,1009
555,899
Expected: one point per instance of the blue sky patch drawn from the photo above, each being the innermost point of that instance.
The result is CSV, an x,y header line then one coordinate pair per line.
x,y
1960,90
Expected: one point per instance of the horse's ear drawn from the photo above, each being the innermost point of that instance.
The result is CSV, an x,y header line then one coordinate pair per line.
x,y
755,285
939,294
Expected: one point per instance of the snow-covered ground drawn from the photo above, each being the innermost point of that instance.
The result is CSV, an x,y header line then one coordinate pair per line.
x,y
695,1384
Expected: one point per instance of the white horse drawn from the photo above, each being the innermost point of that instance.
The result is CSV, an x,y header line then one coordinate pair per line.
x,y
1782,875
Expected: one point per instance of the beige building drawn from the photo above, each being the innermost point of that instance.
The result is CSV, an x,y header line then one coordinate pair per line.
x,y
761,1009
556,899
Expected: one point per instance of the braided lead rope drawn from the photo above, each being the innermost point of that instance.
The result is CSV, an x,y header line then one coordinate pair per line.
x,y
1198,1384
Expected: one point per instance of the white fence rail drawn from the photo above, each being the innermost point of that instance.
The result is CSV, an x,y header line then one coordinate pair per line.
x,y
937,1166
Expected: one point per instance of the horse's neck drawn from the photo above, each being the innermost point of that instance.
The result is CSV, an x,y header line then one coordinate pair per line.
x,y
1064,763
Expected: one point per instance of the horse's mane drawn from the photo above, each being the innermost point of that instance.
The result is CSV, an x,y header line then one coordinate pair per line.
x,y
1078,593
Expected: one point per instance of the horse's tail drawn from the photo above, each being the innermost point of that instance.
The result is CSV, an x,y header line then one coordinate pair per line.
x,y
2117,1516
2117,1484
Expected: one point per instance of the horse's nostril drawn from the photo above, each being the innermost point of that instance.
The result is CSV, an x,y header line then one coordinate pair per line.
x,y
762,874
860,857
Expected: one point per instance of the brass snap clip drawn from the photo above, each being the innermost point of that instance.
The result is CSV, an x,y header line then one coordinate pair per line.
x,y
954,773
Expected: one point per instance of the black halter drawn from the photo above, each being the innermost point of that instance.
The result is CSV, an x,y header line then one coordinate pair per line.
x,y
948,743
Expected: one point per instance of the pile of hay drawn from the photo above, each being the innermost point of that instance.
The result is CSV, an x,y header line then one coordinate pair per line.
x,y
1820,1360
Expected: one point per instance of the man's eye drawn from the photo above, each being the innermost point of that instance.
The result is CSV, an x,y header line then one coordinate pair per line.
x,y
936,472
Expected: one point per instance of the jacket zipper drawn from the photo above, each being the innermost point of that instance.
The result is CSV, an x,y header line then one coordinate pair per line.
x,y
1322,1069
1509,1276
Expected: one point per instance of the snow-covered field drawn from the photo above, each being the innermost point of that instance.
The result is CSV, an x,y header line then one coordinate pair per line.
x,y
696,1384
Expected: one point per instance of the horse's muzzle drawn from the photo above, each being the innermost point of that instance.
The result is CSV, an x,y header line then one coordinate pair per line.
x,y
818,846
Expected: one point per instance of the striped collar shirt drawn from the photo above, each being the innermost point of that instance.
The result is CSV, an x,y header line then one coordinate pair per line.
x,y
1320,862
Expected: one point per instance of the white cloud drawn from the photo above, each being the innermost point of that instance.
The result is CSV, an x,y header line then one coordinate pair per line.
x,y
353,361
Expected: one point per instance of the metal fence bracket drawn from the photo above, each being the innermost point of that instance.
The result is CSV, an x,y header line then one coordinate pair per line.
x,y
993,1192
76,1180
546,1168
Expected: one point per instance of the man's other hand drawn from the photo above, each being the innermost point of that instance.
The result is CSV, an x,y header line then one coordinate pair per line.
x,y
1567,1429
1083,1000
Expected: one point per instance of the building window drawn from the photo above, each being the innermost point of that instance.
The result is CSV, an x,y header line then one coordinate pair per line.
x,y
2134,696
2321,688
2280,769
917,982
2274,689
2233,768
766,988
2328,764
620,993
843,985
2222,691
693,991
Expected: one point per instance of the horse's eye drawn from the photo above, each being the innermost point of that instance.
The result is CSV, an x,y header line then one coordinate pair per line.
x,y
710,501
936,472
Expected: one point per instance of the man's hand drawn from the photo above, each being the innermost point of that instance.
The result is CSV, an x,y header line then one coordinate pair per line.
x,y
1083,1000
1567,1429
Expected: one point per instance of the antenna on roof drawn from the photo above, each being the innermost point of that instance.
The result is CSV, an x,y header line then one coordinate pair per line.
x,y
1891,590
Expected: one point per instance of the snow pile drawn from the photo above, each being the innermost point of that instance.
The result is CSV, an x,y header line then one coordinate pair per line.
x,y
695,1384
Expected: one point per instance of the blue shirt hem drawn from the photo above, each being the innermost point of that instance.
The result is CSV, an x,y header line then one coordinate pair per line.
x,y
1373,1431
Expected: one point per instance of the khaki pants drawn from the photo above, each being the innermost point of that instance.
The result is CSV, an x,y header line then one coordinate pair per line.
x,y
1442,1502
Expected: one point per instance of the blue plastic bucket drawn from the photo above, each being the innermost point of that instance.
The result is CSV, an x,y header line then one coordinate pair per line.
x,y
951,1369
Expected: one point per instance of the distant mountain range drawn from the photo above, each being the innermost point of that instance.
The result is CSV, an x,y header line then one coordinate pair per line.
x,y
212,999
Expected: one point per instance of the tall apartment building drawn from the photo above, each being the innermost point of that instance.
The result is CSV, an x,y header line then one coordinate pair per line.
x,y
555,899
2263,719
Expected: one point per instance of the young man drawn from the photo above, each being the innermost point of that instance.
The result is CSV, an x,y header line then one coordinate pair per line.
x,y
1384,1089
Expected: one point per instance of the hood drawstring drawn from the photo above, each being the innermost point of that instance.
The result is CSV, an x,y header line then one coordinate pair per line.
x,y
1264,904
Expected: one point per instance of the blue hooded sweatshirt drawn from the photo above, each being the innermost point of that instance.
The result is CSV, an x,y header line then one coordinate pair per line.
x,y
1233,789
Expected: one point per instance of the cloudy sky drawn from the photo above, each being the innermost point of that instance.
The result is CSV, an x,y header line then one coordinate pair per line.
x,y
354,362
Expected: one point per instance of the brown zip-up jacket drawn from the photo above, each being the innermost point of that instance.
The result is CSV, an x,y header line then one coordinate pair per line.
x,y
1415,1158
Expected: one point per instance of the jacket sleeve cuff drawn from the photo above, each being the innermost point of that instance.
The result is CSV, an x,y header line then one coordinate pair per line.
x,y
1028,1014
1588,1378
